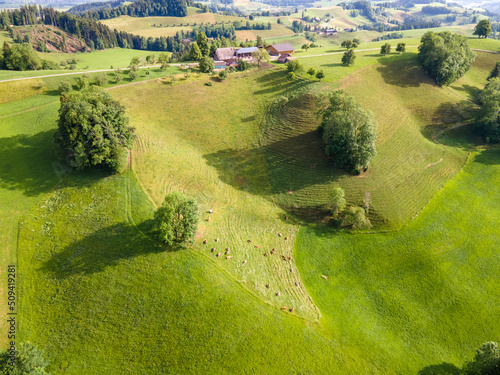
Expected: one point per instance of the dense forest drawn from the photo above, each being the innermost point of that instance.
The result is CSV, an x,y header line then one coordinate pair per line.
x,y
142,8
99,36
82,8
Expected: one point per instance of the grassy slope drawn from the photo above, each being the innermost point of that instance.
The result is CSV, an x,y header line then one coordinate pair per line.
x,y
158,148
422,294
115,302
26,170
405,102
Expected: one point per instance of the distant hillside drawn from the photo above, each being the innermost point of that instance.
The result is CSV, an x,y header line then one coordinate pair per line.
x,y
139,8
82,8
45,38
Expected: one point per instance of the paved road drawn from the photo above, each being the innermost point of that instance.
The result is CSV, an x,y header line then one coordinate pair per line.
x,y
157,66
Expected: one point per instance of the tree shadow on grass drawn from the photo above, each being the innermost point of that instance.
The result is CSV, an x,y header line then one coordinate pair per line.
x,y
403,73
333,65
442,369
104,248
275,81
26,163
488,157
472,91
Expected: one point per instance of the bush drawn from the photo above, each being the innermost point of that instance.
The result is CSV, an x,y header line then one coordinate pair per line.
x,y
28,360
100,79
291,76
355,218
176,221
242,65
294,66
82,82
223,75
64,86
206,65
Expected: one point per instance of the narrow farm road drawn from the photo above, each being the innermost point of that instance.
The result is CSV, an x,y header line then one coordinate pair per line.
x,y
157,66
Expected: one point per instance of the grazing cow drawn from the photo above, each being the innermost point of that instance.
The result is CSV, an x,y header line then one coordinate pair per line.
x,y
245,262
291,269
286,238
296,284
227,252
279,234
217,239
228,257
249,241
266,254
205,242
257,246
213,249
289,258
208,218
219,254
210,211
286,217
283,308
278,294
292,309
268,286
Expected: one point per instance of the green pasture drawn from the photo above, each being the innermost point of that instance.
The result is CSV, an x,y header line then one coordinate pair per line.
x,y
422,295
100,296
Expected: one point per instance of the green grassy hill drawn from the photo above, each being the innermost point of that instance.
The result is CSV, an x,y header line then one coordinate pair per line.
x,y
424,293
101,297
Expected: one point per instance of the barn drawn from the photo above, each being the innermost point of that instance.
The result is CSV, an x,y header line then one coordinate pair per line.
x,y
278,49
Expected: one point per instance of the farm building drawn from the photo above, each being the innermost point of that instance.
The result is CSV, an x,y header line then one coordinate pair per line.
x,y
246,53
224,54
284,58
219,65
277,49
232,62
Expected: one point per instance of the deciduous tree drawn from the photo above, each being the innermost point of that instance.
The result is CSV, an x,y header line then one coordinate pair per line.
x,y
92,129
348,132
349,57
176,221
206,65
483,28
385,49
445,56
195,53
401,48
337,200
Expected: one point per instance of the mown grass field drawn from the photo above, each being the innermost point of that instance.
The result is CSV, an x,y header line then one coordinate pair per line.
x,y
169,26
424,293
101,297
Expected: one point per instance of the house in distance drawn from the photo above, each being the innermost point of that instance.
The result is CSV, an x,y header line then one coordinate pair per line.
x,y
278,49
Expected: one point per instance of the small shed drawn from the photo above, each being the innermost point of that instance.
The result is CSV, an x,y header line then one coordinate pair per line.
x,y
284,58
232,62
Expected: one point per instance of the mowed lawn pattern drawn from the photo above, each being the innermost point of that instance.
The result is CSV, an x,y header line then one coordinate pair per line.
x,y
423,295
